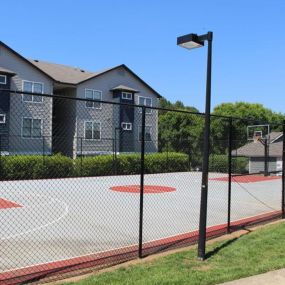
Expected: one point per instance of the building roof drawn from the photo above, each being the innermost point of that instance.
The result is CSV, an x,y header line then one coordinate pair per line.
x,y
75,75
23,58
274,136
124,88
71,75
256,149
6,71
64,73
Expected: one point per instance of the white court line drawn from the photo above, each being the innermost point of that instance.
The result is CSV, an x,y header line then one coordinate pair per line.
x,y
66,212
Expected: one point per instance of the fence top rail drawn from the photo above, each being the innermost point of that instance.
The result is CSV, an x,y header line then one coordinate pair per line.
x,y
58,96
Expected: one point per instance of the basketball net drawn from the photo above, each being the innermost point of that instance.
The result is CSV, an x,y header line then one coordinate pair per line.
x,y
256,139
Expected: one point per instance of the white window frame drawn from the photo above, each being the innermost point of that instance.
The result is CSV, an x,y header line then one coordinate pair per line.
x,y
125,95
92,139
4,119
147,111
33,82
5,79
128,126
93,105
150,131
32,128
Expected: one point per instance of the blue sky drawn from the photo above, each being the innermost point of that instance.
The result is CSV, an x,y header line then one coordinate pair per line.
x,y
248,46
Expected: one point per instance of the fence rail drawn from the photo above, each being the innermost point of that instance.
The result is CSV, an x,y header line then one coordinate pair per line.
x,y
90,185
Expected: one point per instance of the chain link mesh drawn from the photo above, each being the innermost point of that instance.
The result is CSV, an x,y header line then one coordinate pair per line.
x,y
82,185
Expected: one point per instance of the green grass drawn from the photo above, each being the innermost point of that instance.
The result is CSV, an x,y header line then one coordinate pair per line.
x,y
257,252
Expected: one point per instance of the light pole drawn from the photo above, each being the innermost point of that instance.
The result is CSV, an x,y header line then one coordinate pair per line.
x,y
191,41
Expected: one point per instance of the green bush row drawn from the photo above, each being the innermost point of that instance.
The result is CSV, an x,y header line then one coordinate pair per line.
x,y
219,163
58,166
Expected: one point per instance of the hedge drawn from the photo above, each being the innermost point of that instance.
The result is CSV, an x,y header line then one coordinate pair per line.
x,y
59,166
219,163
35,167
126,164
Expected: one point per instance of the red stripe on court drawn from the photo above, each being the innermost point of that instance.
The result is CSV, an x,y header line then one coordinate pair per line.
x,y
247,178
148,189
6,204
120,255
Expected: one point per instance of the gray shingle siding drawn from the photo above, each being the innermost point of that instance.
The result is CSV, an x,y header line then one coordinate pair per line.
x,y
20,109
63,123
257,164
109,115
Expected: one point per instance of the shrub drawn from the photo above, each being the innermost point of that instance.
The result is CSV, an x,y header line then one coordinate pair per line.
x,y
55,166
127,164
166,162
35,167
94,166
219,163
19,167
59,166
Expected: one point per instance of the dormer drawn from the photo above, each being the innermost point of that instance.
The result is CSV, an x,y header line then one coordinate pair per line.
x,y
125,93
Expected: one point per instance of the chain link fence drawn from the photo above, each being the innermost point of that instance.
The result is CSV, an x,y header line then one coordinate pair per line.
x,y
88,183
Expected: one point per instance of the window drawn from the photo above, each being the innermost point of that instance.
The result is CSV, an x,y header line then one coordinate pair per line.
x,y
93,130
147,135
127,126
2,118
127,95
93,95
33,87
145,101
3,79
31,128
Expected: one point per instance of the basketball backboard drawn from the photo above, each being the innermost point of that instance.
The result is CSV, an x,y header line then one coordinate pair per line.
x,y
256,132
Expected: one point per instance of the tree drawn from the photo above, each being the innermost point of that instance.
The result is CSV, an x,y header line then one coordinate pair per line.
x,y
249,114
181,132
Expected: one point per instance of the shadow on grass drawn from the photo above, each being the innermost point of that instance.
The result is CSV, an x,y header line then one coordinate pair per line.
x,y
225,244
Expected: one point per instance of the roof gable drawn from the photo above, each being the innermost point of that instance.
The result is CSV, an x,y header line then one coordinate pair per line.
x,y
130,71
24,59
256,149
71,75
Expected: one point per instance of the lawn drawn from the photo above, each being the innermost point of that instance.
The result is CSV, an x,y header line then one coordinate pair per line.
x,y
254,253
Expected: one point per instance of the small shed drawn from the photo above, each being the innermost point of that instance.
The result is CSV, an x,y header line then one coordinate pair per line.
x,y
255,151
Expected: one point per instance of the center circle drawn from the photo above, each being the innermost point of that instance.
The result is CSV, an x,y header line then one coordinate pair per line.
x,y
148,189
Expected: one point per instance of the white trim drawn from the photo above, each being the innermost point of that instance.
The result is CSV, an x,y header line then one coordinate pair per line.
x,y
127,93
4,119
31,137
126,128
92,139
150,131
150,110
277,138
93,90
33,82
5,79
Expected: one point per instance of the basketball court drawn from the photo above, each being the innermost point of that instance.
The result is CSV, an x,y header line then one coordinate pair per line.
x,y
44,221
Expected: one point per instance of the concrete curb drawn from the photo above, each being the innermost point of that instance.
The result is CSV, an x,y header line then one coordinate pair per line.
x,y
276,277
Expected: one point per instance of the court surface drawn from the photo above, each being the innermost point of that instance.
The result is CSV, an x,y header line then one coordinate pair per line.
x,y
49,220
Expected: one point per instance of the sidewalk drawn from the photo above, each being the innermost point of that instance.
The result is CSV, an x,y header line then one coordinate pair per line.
x,y
276,277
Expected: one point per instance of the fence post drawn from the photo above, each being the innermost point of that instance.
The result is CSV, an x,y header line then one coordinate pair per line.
x,y
283,173
230,147
266,153
167,159
142,184
1,157
43,151
81,157
189,153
